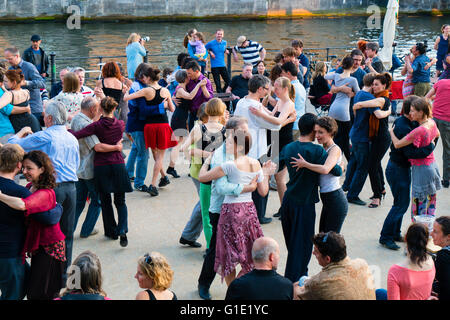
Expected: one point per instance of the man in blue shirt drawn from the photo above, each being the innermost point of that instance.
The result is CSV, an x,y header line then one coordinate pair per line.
x,y
357,169
33,80
420,71
304,61
217,49
63,150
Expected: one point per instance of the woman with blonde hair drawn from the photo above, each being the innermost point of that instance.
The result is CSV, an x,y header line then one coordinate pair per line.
x,y
207,138
135,53
70,96
88,269
320,89
283,114
155,276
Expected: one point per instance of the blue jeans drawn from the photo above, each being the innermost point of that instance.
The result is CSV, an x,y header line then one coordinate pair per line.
x,y
66,193
139,155
85,188
361,157
399,180
13,278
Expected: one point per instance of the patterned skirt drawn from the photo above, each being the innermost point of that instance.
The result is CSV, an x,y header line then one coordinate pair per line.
x,y
237,229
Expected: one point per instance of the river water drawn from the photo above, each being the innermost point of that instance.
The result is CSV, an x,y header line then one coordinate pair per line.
x,y
109,39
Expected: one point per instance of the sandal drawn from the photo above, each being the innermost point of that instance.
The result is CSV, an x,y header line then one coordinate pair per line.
x,y
374,205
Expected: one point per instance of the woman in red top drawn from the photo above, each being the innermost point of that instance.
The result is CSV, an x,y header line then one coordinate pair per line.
x,y
44,243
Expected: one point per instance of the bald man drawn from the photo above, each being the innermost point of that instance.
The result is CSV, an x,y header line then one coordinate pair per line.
x,y
263,283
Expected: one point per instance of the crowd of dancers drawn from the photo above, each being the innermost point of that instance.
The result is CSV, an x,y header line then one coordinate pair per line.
x,y
256,136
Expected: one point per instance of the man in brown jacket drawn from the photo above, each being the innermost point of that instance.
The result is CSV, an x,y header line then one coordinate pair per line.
x,y
341,278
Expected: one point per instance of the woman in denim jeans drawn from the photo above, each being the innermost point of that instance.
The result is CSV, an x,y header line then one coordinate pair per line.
x,y
335,205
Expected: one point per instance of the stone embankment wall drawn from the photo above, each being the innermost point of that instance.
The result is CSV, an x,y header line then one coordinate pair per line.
x,y
192,9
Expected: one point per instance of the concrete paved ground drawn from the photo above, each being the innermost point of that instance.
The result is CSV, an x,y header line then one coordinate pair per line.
x,y
156,223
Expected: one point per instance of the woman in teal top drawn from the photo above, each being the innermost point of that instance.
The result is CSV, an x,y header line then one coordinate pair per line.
x,y
135,53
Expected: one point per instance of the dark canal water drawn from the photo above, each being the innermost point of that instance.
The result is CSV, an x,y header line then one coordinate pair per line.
x,y
109,39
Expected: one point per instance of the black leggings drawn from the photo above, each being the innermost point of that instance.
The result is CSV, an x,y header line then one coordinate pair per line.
x,y
378,149
342,138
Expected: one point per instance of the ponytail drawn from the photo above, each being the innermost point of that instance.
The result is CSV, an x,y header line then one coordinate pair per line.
x,y
291,92
187,36
286,83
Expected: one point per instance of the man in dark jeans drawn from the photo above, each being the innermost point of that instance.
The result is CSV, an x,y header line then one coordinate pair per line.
x,y
13,270
63,150
220,188
37,56
398,175
298,212
217,49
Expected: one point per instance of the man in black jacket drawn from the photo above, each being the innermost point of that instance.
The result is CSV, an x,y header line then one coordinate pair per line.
x,y
37,56
263,283
398,175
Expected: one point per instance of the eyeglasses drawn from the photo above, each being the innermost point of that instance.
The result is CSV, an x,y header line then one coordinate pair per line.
x,y
148,259
266,88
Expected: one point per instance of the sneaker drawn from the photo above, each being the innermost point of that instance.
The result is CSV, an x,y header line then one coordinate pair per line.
x,y
390,245
164,181
142,188
152,190
123,240
172,172
357,201
203,292
93,233
445,183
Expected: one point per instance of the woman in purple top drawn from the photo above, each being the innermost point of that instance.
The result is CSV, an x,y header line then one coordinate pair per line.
x,y
110,175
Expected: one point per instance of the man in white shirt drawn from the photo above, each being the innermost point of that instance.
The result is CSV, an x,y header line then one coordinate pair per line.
x,y
258,88
289,70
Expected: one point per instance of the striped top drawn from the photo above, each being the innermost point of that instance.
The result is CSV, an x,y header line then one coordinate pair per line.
x,y
250,53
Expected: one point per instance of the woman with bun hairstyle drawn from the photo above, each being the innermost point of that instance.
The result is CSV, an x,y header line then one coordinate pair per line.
x,y
110,175
378,134
425,178
413,278
157,132
20,115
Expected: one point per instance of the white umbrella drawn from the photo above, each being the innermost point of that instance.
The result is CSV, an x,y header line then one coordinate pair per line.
x,y
389,24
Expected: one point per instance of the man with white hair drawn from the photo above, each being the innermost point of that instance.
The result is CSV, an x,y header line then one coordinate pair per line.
x,y
263,283
62,149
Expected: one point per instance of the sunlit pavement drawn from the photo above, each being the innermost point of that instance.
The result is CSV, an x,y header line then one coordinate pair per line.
x,y
156,223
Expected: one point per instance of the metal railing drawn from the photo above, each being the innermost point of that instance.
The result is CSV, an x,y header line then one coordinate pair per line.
x,y
310,52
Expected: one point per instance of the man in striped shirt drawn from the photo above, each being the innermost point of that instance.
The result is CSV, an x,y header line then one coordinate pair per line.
x,y
251,51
